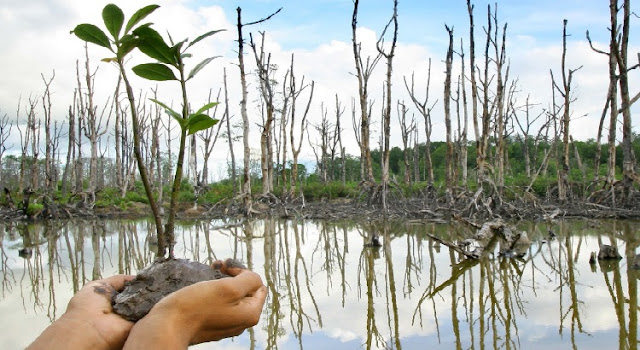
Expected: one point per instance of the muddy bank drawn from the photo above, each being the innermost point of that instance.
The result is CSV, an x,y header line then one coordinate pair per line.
x,y
424,209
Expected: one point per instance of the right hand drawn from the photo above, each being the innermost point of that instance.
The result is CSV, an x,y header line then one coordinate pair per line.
x,y
206,311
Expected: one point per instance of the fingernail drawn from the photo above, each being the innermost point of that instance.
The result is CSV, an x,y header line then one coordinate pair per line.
x,y
232,263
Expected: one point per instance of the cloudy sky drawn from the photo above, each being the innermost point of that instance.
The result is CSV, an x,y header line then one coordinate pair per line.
x,y
37,43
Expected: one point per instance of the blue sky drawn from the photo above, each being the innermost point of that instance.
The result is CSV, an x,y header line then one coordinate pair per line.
x,y
319,34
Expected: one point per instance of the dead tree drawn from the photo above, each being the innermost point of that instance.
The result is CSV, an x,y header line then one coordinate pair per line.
x,y
500,98
118,133
386,116
230,138
425,111
49,165
284,121
295,150
71,143
246,181
263,62
621,54
323,132
448,173
406,131
474,96
565,92
209,138
463,131
5,131
93,127
338,135
525,129
363,73
29,147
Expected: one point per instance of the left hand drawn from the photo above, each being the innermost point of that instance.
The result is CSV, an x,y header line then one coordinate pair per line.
x,y
89,322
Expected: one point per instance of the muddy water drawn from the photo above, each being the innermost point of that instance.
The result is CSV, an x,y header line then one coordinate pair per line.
x,y
328,290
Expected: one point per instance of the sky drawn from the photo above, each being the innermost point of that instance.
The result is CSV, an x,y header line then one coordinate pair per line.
x,y
37,43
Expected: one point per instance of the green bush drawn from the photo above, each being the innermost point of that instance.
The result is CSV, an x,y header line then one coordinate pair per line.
x,y
136,197
34,208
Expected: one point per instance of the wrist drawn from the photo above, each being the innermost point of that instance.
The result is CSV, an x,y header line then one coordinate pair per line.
x,y
69,332
160,330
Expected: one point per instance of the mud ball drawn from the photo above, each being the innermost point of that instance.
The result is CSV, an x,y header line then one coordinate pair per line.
x,y
157,281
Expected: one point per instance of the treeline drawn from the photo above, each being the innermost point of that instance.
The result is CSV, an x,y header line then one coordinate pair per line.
x,y
495,143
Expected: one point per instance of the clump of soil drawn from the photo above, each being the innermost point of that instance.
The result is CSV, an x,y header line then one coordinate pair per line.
x,y
158,280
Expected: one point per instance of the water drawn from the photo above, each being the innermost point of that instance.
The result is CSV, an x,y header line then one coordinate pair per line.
x,y
327,290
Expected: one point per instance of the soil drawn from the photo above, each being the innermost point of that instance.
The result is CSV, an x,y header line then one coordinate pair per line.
x,y
158,280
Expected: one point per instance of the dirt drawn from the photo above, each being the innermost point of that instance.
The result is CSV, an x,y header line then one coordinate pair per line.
x,y
157,281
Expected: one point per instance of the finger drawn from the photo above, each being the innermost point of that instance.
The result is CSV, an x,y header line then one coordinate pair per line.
x,y
247,282
118,281
232,267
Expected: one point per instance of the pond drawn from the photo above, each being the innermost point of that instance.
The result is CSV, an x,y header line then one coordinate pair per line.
x,y
328,290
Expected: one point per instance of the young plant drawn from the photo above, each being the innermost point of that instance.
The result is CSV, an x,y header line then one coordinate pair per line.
x,y
171,60
122,43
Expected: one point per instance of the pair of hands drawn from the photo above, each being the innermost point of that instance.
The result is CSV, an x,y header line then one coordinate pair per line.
x,y
205,311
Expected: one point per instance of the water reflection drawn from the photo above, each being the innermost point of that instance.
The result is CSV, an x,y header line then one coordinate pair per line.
x,y
329,288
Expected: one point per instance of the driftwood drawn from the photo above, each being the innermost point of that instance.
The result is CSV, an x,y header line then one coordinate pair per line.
x,y
483,242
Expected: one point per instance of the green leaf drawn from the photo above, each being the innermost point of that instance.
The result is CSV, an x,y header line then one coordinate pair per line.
x,y
199,66
113,18
154,71
109,59
171,112
91,33
199,122
175,50
206,107
127,44
204,36
153,45
139,16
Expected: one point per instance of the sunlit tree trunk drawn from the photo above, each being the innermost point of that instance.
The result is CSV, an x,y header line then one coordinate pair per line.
x,y
363,73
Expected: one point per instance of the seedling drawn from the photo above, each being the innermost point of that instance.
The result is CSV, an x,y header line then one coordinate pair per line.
x,y
171,60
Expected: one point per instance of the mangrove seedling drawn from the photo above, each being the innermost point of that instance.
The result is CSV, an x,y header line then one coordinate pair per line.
x,y
121,41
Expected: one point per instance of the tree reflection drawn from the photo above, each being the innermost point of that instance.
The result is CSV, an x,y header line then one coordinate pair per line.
x,y
8,278
379,298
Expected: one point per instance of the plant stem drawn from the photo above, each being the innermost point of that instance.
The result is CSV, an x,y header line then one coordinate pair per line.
x,y
169,228
141,168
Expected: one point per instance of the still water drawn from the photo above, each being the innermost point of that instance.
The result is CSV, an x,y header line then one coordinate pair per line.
x,y
328,290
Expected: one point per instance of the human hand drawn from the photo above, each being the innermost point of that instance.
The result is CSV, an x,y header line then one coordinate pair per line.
x,y
204,311
89,321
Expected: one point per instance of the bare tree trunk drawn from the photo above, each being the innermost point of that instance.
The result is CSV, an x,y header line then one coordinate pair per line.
x,y
266,90
303,126
284,121
425,111
339,113
406,131
5,132
474,96
33,129
448,174
464,134
386,117
246,179
80,107
500,101
295,93
629,159
363,73
565,91
229,134
246,182
209,138
48,156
